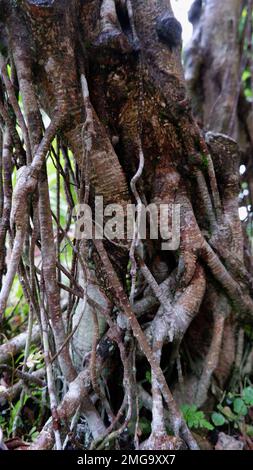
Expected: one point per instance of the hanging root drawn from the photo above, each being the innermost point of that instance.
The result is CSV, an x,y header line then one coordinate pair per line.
x,y
177,422
212,358
27,178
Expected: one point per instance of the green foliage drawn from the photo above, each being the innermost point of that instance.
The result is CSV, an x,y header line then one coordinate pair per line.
x,y
247,395
247,83
35,358
148,376
233,410
3,423
242,22
145,426
13,414
204,161
246,43
195,418
249,430
246,74
128,283
248,93
218,419
15,410
239,407
33,434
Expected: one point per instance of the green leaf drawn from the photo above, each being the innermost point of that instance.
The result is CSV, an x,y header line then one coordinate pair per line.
x,y
248,93
145,426
218,419
205,424
239,407
195,418
246,74
34,435
148,376
247,395
249,430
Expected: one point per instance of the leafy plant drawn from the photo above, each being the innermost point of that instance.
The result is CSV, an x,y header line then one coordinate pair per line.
x,y
204,161
33,433
233,409
148,376
14,414
218,419
145,426
35,358
247,395
195,418
239,407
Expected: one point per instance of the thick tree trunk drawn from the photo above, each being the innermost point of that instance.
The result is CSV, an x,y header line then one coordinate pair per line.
x,y
109,76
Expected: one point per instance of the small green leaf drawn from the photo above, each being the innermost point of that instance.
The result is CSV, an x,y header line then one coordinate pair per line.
x,y
248,93
218,419
247,395
246,74
148,376
194,418
203,423
249,430
144,426
239,407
